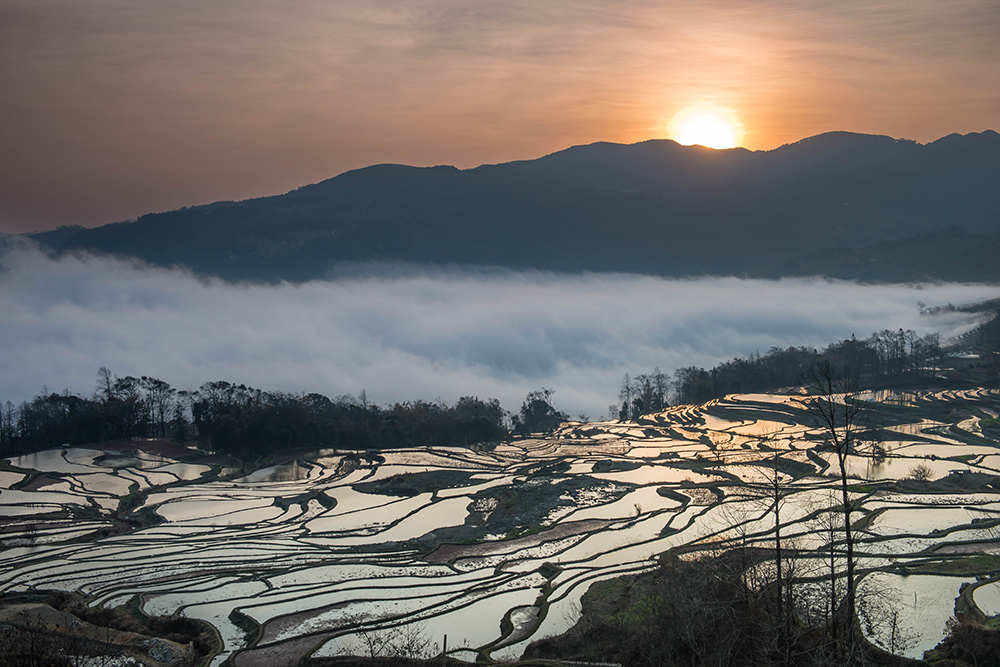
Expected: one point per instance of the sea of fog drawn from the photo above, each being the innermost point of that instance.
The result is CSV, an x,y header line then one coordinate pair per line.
x,y
404,334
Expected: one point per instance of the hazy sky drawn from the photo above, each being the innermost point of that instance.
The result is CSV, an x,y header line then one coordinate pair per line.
x,y
114,108
420,335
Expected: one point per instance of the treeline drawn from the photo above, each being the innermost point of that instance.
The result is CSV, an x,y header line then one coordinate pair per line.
x,y
236,418
884,356
233,418
641,395
121,408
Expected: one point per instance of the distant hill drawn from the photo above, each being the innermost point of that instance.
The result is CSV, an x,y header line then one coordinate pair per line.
x,y
838,204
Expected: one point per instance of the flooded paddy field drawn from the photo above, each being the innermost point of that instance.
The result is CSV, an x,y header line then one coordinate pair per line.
x,y
494,546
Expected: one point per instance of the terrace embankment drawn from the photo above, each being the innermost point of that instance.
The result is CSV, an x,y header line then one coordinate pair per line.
x,y
59,628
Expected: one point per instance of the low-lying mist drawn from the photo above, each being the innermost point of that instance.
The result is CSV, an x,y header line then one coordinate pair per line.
x,y
403,335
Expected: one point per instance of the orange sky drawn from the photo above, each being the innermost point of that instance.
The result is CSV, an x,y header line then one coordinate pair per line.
x,y
114,108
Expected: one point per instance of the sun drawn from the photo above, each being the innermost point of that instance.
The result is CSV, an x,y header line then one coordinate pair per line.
x,y
706,125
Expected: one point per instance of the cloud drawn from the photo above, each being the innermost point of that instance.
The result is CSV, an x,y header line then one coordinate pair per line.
x,y
413,334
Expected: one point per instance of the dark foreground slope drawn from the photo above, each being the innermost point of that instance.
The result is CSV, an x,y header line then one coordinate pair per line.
x,y
841,204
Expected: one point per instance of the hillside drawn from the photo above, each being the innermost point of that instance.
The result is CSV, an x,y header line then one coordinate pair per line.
x,y
839,204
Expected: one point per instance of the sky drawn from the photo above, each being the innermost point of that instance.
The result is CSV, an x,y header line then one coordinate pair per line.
x,y
419,334
115,108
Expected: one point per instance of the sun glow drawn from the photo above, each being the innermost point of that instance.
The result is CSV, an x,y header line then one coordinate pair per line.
x,y
706,125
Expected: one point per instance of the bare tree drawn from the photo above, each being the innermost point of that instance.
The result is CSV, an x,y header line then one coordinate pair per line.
x,y
842,418
625,395
159,401
776,496
878,612
773,492
397,644
104,387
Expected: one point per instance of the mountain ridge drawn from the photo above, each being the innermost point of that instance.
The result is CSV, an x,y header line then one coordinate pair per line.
x,y
651,207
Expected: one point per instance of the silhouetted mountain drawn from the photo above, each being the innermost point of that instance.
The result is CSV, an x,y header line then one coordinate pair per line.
x,y
653,207
59,235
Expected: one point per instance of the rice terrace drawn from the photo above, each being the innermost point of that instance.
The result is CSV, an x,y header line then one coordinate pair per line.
x,y
613,333
480,551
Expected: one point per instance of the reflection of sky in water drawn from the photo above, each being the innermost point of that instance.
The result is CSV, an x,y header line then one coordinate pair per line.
x,y
923,520
116,461
54,460
8,478
286,472
924,604
987,598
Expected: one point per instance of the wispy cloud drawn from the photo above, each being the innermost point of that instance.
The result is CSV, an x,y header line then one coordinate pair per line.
x,y
418,335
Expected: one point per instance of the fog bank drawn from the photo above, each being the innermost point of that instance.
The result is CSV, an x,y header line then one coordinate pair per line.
x,y
409,335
